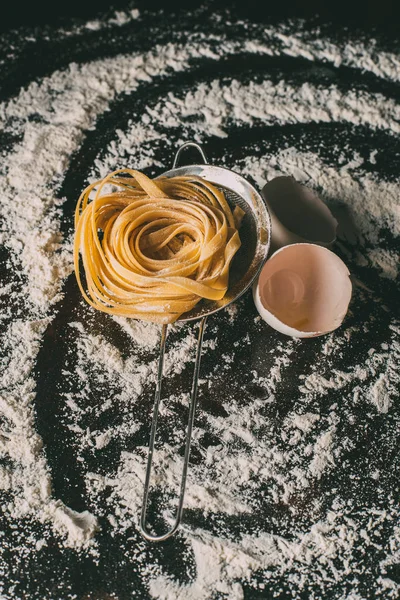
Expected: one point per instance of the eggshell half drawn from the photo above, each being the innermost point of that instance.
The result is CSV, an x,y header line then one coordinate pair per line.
x,y
304,290
297,213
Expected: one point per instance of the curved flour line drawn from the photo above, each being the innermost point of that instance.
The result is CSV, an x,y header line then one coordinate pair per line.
x,y
356,54
29,478
214,103
291,38
294,38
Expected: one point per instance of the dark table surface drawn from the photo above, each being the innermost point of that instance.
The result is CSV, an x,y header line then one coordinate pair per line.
x,y
363,475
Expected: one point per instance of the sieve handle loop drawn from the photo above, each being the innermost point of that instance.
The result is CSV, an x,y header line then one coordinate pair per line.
x,y
192,408
189,145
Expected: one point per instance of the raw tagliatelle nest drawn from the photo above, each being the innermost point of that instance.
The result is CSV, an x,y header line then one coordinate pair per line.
x,y
152,250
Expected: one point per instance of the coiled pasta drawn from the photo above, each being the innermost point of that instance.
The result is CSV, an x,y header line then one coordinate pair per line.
x,y
152,249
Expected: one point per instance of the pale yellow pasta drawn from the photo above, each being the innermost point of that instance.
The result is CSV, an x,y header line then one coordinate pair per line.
x,y
152,249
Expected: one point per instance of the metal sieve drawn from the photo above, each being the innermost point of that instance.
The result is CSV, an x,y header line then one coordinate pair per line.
x,y
255,235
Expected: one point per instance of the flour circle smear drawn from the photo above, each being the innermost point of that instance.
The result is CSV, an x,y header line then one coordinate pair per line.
x,y
292,489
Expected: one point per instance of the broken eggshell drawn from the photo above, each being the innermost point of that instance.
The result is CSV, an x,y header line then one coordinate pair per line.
x,y
297,214
303,290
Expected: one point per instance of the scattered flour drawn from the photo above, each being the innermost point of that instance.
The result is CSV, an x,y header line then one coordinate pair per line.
x,y
359,55
141,333
253,457
28,476
212,104
381,366
387,261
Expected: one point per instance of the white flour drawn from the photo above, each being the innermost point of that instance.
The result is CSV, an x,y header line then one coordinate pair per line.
x,y
28,477
213,104
361,56
286,462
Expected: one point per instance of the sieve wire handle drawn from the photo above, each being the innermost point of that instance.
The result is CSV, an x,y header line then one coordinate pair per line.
x,y
157,401
192,409
189,145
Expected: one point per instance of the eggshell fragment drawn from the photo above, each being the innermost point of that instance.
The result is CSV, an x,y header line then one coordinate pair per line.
x,y
297,214
303,290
